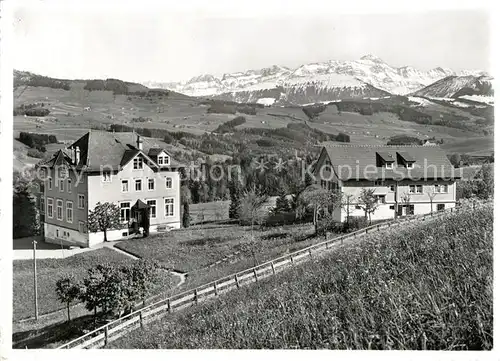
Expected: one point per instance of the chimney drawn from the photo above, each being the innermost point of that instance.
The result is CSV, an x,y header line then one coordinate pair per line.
x,y
77,155
139,142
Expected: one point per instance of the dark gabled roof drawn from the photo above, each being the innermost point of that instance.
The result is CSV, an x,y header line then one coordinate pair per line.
x,y
128,156
153,152
406,157
360,162
386,156
112,150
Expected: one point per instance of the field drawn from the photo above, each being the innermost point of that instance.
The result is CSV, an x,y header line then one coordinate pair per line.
x,y
427,286
177,112
49,271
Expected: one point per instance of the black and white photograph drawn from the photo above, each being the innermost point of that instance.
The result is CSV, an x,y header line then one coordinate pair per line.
x,y
289,176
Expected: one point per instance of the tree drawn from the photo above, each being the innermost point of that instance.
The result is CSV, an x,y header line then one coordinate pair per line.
x,y
235,195
431,196
26,220
186,201
319,199
484,182
455,160
405,201
368,202
347,203
67,290
248,211
282,204
104,217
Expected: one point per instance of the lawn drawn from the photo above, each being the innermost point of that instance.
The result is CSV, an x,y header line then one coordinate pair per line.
x,y
426,286
196,250
50,270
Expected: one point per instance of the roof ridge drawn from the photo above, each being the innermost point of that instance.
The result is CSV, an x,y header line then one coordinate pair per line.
x,y
379,146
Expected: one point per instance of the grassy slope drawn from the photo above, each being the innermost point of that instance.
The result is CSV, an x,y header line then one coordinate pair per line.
x,y
426,286
181,113
49,271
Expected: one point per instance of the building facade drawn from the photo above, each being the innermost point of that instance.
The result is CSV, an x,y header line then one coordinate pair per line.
x,y
138,176
405,180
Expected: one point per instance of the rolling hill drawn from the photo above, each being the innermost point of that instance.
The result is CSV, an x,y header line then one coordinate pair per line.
x,y
77,105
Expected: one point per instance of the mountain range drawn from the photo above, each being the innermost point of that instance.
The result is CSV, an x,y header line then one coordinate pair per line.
x,y
368,77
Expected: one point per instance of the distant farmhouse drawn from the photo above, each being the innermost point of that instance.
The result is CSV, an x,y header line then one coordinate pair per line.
x,y
405,179
121,168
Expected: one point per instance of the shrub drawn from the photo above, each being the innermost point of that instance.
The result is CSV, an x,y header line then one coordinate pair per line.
x,y
355,223
280,219
35,153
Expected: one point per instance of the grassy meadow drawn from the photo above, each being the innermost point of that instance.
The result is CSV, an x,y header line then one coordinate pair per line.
x,y
426,286
50,270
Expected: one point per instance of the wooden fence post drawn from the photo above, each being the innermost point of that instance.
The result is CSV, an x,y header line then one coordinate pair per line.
x,y
255,274
310,253
341,239
272,267
169,306
140,319
215,288
291,258
105,335
236,279
195,295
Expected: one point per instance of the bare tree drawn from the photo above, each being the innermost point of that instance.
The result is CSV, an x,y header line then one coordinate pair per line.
x,y
368,202
319,199
347,203
431,196
405,200
249,208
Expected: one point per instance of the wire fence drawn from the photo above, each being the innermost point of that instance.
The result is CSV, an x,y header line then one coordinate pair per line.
x,y
113,330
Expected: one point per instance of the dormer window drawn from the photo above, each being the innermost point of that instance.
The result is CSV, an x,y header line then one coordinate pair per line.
x,y
163,160
389,165
409,165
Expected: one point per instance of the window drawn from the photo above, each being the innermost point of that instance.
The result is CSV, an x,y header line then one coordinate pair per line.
x,y
60,209
379,183
106,176
138,163
57,233
380,199
357,207
50,183
69,212
50,207
138,185
152,209
410,210
388,165
416,188
151,184
163,160
42,205
440,207
409,165
81,227
391,207
168,182
69,185
124,185
61,185
124,211
441,188
392,187
81,201
169,207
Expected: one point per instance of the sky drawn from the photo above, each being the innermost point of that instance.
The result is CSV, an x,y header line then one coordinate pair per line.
x,y
155,44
